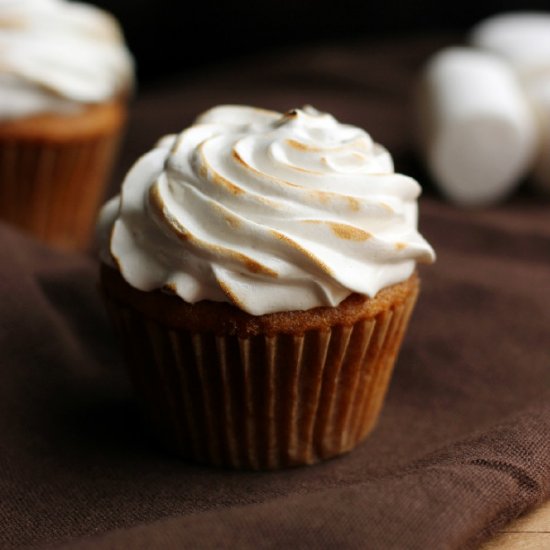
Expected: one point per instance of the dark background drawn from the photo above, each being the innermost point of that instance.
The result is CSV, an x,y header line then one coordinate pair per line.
x,y
177,37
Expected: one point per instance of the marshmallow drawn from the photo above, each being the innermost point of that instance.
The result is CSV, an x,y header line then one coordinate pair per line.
x,y
523,39
475,126
539,94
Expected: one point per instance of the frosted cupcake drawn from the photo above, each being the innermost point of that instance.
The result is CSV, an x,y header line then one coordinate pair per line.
x,y
261,270
65,75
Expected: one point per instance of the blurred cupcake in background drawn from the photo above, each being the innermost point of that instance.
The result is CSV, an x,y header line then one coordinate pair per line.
x,y
65,77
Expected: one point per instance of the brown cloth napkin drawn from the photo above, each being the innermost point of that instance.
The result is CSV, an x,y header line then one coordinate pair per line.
x,y
463,443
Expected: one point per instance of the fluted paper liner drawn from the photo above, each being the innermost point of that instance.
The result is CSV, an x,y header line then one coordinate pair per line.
x,y
53,189
263,401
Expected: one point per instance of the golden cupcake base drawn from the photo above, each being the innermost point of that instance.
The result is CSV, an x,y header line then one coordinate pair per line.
x,y
260,399
54,170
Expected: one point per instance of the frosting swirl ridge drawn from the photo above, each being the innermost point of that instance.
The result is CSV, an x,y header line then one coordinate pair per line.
x,y
57,55
269,212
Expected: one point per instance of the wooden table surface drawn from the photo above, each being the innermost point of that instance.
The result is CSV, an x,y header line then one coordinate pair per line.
x,y
531,532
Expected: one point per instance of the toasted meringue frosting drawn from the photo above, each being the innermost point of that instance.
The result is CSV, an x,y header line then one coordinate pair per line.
x,y
57,55
268,211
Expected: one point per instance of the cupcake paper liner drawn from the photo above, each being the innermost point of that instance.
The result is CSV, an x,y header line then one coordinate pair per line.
x,y
54,190
263,401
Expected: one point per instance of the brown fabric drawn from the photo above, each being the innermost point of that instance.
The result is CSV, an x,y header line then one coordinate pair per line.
x,y
462,446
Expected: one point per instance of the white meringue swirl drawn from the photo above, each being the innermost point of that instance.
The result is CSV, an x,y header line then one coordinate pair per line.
x,y
57,55
269,212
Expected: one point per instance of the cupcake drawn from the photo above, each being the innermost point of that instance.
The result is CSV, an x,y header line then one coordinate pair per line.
x,y
65,76
260,269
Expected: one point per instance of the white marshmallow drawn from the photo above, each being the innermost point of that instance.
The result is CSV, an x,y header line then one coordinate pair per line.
x,y
475,126
523,39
